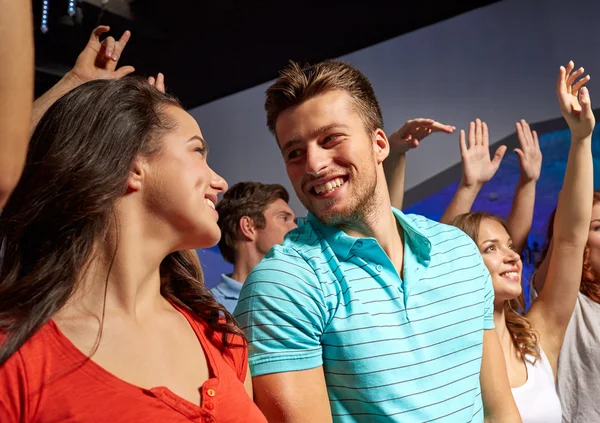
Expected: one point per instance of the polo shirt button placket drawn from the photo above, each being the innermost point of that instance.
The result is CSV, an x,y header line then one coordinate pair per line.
x,y
379,267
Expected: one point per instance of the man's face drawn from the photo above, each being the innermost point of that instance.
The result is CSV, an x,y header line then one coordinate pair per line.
x,y
330,158
279,221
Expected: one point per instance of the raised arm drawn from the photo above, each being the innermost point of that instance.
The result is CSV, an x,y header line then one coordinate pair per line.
x,y
530,161
16,91
407,137
551,311
98,60
477,169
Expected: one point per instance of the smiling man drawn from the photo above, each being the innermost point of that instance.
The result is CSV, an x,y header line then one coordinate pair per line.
x,y
363,313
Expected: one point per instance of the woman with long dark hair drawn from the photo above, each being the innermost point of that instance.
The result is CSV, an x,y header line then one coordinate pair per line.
x,y
103,312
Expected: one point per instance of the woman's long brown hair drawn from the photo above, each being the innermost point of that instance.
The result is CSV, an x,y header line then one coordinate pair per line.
x,y
79,158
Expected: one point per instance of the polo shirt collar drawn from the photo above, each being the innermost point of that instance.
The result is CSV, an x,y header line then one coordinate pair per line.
x,y
229,287
341,243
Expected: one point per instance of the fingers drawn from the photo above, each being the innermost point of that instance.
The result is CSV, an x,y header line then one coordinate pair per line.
x,y
536,142
97,32
580,84
160,84
572,78
120,45
561,86
585,101
478,132
419,122
441,127
527,132
434,125
520,154
570,67
498,156
123,71
462,143
486,135
520,134
472,140
108,45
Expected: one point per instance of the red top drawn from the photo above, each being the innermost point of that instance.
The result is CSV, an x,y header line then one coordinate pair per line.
x,y
39,384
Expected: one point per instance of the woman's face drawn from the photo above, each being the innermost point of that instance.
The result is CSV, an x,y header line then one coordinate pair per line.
x,y
181,189
503,263
594,239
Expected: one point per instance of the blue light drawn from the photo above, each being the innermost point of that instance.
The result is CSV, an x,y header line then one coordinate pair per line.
x,y
71,8
45,7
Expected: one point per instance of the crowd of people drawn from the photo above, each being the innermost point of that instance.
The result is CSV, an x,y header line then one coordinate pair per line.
x,y
356,313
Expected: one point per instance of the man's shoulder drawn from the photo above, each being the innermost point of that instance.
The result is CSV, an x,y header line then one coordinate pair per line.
x,y
296,261
286,258
435,230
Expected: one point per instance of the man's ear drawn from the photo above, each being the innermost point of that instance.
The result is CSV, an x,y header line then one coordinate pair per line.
x,y
381,145
247,227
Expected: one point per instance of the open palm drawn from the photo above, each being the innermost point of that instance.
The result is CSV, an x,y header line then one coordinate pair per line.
x,y
574,100
478,167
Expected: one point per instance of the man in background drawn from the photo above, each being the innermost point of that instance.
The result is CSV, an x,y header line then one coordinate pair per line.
x,y
253,217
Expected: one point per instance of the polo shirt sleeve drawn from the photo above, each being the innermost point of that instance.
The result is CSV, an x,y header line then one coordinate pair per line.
x,y
488,317
282,312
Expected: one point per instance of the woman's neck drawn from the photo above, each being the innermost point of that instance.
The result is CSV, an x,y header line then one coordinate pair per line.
x,y
123,274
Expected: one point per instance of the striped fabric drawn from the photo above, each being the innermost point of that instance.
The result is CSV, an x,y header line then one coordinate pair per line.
x,y
401,350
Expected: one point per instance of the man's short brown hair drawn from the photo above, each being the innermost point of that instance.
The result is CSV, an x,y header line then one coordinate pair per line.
x,y
244,199
296,85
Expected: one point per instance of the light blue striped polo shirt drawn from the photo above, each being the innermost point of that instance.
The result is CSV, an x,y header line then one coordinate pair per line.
x,y
400,350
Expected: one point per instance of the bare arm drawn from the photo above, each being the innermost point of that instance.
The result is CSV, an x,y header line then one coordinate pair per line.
x,y
98,60
395,170
530,161
498,403
551,311
293,397
407,137
477,169
16,91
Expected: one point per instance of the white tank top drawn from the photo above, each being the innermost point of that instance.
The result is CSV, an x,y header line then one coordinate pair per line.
x,y
537,400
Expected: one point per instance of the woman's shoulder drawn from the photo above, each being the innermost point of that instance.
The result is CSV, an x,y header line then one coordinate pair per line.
x,y
226,347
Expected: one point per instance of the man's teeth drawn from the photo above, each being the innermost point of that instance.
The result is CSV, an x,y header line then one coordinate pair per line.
x,y
209,203
329,186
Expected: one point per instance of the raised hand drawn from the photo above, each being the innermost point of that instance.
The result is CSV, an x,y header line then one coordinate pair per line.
x,y
574,100
477,166
98,60
413,132
158,82
530,155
